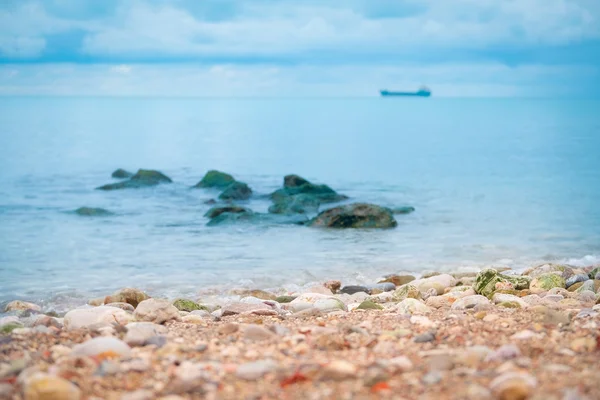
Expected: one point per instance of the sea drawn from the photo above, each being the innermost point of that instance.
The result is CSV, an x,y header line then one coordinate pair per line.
x,y
509,182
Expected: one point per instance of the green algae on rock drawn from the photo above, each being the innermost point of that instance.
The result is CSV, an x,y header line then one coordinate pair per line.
x,y
142,178
406,291
548,281
215,179
369,305
285,299
188,305
356,215
236,191
92,212
487,281
121,174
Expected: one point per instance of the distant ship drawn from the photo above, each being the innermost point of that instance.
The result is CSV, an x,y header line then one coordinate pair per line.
x,y
422,92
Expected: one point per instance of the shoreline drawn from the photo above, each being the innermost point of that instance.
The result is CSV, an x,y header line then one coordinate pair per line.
x,y
492,334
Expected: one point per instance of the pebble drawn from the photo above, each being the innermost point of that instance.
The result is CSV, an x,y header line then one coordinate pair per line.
x,y
137,365
576,278
138,333
109,346
354,289
513,386
469,302
6,391
425,337
584,344
400,364
122,306
245,308
411,306
47,387
18,305
504,298
333,286
524,335
397,280
254,370
432,377
503,353
97,317
257,333
339,370
437,282
157,311
330,305
127,295
421,320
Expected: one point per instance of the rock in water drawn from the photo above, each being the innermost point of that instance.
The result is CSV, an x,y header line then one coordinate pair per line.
x,y
47,387
293,180
216,211
236,191
357,215
127,295
403,210
157,311
321,193
92,212
215,179
295,204
121,174
142,178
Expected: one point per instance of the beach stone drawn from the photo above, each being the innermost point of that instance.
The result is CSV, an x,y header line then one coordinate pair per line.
x,y
369,305
257,333
594,272
187,305
406,291
499,298
503,353
140,394
306,300
18,305
123,306
547,281
330,305
381,288
252,371
293,180
285,299
587,285
424,337
469,302
245,308
438,282
138,333
101,346
354,289
259,294
488,280
142,178
96,317
400,364
411,306
339,370
438,301
92,212
585,344
385,297
6,391
47,387
397,280
9,327
333,286
157,311
215,179
356,215
564,271
236,191
513,386
127,295
120,173
575,279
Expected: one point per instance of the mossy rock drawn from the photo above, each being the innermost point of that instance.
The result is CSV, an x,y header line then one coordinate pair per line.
x,y
594,272
142,178
215,179
369,305
405,292
92,212
486,281
322,193
216,211
8,328
509,304
548,281
285,299
236,191
357,215
188,305
121,174
293,180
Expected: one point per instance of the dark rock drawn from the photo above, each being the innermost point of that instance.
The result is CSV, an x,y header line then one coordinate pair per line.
x,y
121,174
354,289
357,215
210,202
216,211
290,181
92,212
321,193
236,191
425,337
403,210
227,218
295,204
142,178
215,179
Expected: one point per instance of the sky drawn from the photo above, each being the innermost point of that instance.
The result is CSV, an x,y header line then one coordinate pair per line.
x,y
491,48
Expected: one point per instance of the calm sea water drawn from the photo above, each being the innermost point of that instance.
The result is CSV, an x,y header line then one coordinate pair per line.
x,y
494,181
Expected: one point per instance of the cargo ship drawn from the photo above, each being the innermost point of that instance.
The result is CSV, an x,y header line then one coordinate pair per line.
x,y
422,92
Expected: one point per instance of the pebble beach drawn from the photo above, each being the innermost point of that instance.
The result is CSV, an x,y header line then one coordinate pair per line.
x,y
487,335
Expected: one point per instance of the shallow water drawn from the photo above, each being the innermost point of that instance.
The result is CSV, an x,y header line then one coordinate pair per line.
x,y
494,182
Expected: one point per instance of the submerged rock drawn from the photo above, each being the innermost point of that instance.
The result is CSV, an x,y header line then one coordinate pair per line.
x,y
489,280
216,211
121,174
290,181
142,178
215,179
295,204
236,191
403,210
92,212
357,215
249,216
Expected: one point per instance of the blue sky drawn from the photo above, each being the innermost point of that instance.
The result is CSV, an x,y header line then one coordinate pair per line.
x,y
310,47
